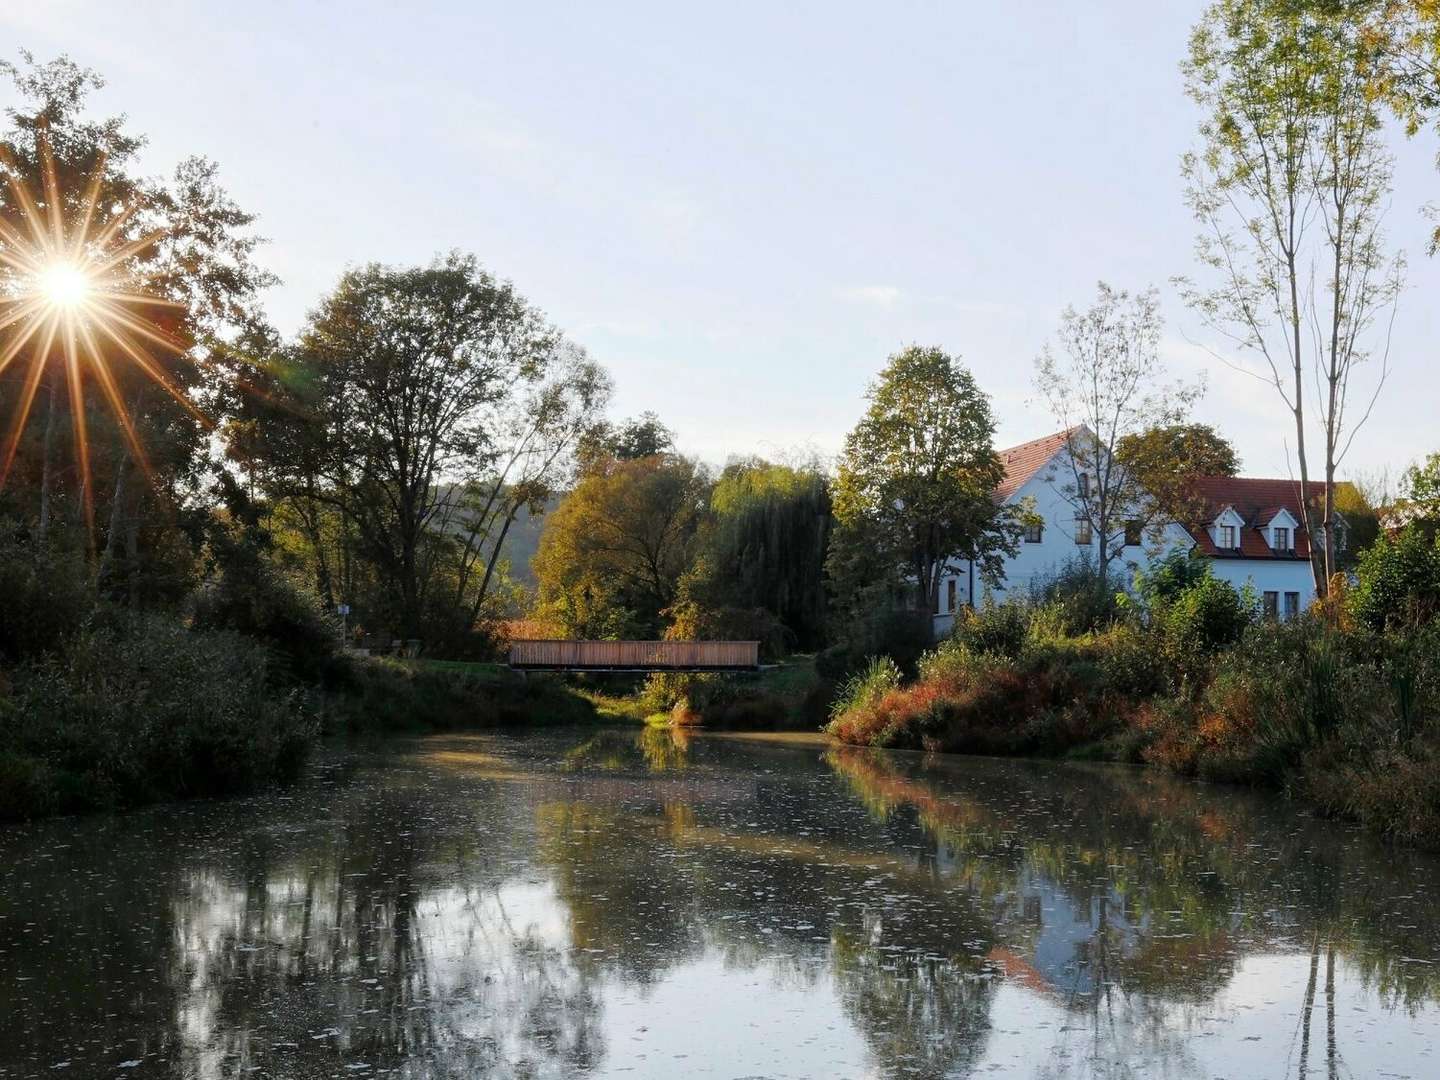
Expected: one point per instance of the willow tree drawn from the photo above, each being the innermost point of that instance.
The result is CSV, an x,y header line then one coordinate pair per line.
x,y
1289,188
913,494
763,546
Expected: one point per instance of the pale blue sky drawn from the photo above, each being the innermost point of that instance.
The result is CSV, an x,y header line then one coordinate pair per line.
x,y
741,209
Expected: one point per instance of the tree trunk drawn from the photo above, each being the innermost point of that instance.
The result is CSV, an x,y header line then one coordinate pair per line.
x,y
117,518
47,468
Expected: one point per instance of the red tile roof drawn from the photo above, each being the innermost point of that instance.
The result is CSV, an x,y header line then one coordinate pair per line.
x,y
1024,461
1257,500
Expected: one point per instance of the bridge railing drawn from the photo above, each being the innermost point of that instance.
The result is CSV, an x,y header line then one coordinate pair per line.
x,y
635,655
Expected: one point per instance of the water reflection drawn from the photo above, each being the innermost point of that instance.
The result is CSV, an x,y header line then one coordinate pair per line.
x,y
665,904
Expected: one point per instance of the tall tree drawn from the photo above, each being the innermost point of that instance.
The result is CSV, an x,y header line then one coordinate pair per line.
x,y
639,437
1105,386
1289,189
408,368
613,552
913,494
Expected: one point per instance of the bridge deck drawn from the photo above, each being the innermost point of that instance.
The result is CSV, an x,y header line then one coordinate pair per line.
x,y
635,655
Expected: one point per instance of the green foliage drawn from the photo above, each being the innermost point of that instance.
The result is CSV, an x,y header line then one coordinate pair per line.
x,y
1164,460
762,547
614,551
640,437
1420,490
48,593
879,676
883,630
1169,576
378,694
1205,616
1398,581
994,629
1078,598
140,709
914,486
247,595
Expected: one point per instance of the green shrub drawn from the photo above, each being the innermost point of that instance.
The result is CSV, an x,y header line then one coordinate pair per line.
x,y
994,629
1170,576
46,594
1398,582
903,636
374,694
1079,600
1205,616
247,595
144,709
1130,664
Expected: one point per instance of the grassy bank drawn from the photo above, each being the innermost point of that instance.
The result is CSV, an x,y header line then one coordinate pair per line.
x,y
786,696
1340,707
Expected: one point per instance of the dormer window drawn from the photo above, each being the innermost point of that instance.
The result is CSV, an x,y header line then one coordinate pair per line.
x,y
1225,537
1280,538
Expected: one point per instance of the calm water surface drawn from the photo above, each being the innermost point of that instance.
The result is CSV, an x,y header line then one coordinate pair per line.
x,y
617,903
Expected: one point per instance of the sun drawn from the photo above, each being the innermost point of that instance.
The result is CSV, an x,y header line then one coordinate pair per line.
x,y
68,298
64,285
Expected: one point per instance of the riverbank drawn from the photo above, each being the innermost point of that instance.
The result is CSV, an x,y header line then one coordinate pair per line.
x,y
1342,717
145,711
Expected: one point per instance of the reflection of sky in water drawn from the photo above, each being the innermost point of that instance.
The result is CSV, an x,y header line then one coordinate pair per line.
x,y
633,905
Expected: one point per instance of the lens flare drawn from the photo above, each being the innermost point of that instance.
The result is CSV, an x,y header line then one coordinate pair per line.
x,y
68,301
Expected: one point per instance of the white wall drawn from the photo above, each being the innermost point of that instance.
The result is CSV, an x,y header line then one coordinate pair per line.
x,y
1273,575
1034,563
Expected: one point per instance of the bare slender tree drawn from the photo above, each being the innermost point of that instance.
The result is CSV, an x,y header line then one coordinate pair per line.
x,y
1106,386
1289,189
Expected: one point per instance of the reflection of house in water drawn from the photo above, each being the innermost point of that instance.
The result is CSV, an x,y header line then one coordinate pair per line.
x,y
1056,941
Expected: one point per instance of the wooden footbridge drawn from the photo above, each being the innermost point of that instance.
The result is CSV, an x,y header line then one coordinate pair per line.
x,y
635,655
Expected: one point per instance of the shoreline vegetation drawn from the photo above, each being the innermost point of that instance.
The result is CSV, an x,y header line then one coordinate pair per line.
x,y
1339,708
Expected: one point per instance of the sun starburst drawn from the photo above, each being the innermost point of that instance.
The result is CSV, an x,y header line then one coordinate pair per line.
x,y
69,296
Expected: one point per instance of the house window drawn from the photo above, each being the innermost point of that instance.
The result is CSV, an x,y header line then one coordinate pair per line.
x,y
1132,534
1083,485
1272,605
1082,532
1034,533
1282,539
950,595
1292,605
1227,538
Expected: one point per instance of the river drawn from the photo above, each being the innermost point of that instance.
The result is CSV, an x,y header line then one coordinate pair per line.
x,y
613,902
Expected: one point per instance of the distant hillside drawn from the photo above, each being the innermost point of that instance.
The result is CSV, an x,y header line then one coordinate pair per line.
x,y
523,541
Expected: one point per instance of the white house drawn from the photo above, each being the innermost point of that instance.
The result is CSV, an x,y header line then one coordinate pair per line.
x,y
1249,527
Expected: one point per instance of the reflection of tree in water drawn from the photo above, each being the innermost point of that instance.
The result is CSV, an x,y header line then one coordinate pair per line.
x,y
770,878
1133,896
628,893
356,952
462,913
923,1014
